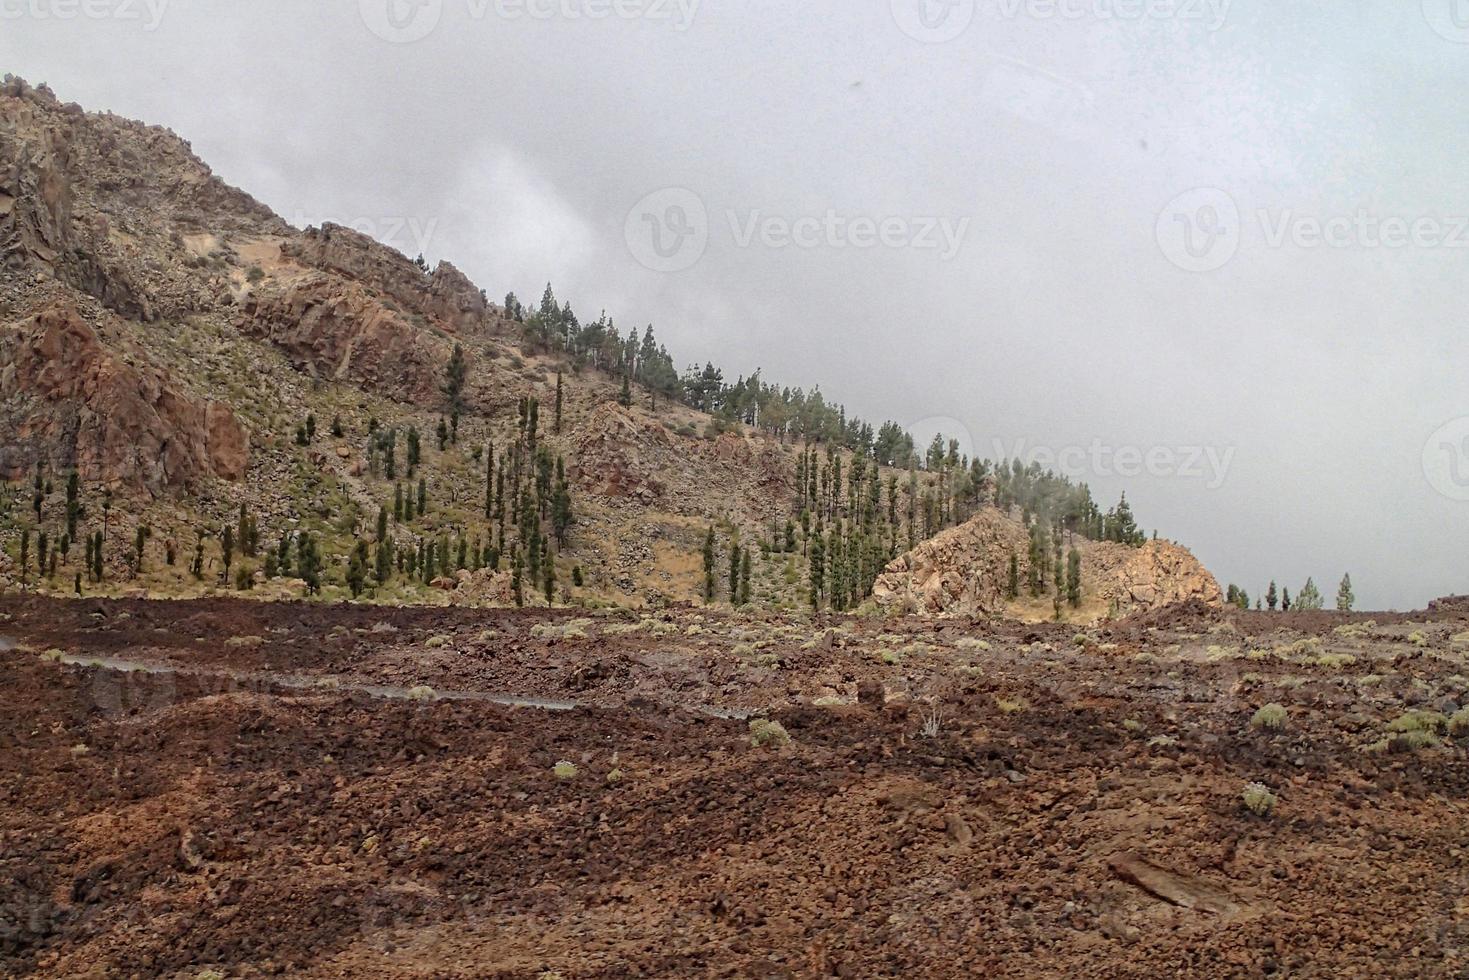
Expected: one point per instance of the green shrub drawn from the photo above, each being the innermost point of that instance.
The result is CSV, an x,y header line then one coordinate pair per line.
x,y
564,770
1459,723
422,693
1258,799
1419,721
1271,717
767,733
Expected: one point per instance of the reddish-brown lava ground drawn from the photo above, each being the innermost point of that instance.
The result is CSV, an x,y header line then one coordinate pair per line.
x,y
265,806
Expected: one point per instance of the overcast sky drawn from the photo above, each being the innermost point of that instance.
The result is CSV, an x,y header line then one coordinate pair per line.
x,y
1211,253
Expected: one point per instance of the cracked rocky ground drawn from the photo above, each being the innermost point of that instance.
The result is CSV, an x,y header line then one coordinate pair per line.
x,y
256,788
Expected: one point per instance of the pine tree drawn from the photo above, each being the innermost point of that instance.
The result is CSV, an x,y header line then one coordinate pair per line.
x,y
443,434
734,571
624,397
558,403
1012,585
25,555
73,504
1344,597
454,375
550,582
422,496
357,569
817,551
1285,600
709,566
397,503
1309,598
745,577
415,450
1271,596
382,523
227,551
1073,578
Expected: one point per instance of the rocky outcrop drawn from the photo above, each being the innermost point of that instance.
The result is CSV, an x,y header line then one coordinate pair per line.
x,y
72,402
619,454
1157,574
962,571
965,571
336,329
445,295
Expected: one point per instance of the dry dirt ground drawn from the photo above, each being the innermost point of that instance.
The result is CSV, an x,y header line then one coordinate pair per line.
x,y
233,789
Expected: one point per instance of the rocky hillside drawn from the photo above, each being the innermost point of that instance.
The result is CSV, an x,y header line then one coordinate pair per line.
x,y
186,353
966,569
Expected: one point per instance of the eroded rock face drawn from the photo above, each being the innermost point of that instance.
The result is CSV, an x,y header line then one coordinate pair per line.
x,y
1160,573
70,400
620,454
445,295
964,572
961,571
336,329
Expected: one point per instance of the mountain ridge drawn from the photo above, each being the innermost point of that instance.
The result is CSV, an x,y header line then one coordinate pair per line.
x,y
171,339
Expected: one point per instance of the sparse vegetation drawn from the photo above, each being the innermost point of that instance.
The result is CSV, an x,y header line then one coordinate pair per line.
x,y
1271,717
1258,799
765,733
564,770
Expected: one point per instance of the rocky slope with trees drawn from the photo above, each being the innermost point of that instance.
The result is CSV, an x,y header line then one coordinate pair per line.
x,y
196,396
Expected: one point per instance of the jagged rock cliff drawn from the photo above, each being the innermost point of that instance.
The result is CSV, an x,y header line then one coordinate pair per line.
x,y
965,571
